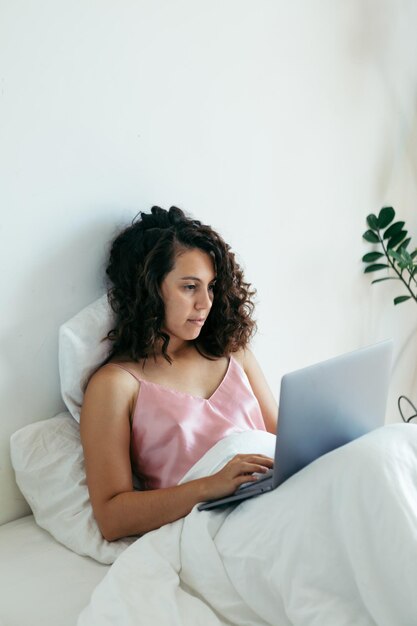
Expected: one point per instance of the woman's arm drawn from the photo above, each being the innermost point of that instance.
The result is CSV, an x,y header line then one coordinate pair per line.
x,y
260,388
105,434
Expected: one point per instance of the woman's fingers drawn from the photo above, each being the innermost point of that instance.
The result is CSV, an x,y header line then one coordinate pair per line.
x,y
264,461
246,465
250,468
240,469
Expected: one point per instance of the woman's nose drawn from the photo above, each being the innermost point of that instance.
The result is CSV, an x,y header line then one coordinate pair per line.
x,y
204,301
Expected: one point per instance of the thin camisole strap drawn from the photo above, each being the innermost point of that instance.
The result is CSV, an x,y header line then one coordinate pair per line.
x,y
122,367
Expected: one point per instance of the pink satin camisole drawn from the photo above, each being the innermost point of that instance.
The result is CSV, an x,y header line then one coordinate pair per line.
x,y
171,430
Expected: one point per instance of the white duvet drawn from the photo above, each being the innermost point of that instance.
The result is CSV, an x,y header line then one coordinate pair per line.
x,y
335,545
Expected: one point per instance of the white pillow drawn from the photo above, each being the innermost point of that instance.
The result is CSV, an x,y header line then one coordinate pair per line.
x,y
81,350
47,457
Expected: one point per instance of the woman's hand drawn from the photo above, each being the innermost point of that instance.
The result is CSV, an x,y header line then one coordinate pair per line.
x,y
237,471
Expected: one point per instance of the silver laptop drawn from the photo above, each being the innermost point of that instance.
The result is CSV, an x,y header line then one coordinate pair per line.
x,y
323,407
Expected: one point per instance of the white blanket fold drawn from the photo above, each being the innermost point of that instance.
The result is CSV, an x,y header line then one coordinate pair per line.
x,y
334,545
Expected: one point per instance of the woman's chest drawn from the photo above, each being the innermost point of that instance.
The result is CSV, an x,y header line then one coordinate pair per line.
x,y
200,378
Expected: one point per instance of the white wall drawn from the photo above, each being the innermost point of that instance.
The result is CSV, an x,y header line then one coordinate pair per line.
x,y
282,124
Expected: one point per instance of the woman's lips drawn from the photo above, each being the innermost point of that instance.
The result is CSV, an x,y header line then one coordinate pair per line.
x,y
197,322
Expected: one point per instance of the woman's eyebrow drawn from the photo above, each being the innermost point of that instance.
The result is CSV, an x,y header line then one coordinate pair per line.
x,y
195,278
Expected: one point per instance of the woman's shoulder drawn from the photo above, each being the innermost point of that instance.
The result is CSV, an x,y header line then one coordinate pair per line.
x,y
110,391
241,356
111,376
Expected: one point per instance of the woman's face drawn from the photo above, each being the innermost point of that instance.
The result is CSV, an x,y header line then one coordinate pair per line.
x,y
187,292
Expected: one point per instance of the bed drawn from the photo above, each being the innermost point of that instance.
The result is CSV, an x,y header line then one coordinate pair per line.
x,y
336,544
42,582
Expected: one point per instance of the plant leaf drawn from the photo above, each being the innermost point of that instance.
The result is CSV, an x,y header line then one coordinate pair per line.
x,y
406,256
372,256
400,299
370,236
414,254
375,267
385,217
393,230
394,241
395,255
400,259
379,280
404,244
372,221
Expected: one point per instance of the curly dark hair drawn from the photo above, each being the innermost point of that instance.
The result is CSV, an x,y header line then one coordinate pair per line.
x,y
140,258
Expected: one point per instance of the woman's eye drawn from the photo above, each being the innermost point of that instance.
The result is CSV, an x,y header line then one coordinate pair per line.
x,y
192,287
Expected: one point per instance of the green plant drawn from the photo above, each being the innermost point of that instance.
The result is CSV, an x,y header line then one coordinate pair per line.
x,y
394,242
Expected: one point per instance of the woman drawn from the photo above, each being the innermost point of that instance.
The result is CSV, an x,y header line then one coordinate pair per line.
x,y
179,376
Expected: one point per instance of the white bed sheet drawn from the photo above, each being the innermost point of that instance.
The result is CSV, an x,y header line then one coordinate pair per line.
x,y
42,583
335,545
